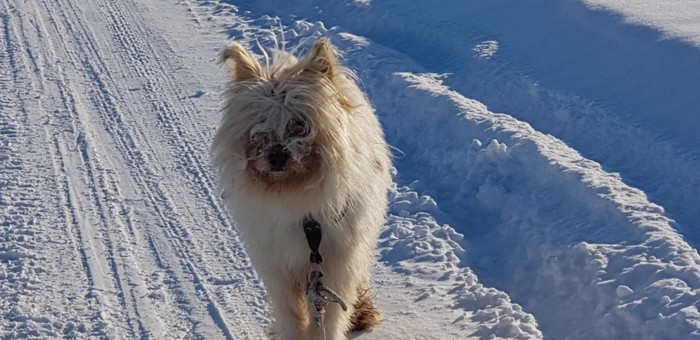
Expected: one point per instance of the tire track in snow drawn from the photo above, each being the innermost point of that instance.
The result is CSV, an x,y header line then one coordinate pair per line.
x,y
41,274
17,235
82,141
180,236
102,100
176,117
173,115
94,183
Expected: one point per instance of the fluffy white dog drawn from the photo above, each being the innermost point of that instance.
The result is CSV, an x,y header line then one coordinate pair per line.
x,y
298,140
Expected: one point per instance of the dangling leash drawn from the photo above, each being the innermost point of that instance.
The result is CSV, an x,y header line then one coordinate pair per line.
x,y
317,294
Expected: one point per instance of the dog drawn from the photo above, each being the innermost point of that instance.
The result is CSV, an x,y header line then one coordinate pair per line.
x,y
298,139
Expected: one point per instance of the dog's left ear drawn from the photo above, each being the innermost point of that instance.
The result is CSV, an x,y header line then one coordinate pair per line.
x,y
244,65
322,60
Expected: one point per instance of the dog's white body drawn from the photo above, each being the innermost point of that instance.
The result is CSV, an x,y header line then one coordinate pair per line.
x,y
338,173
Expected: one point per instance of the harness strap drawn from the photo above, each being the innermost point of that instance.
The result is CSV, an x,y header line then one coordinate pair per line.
x,y
312,230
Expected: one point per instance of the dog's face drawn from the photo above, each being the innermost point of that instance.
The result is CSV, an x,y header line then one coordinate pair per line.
x,y
283,125
289,157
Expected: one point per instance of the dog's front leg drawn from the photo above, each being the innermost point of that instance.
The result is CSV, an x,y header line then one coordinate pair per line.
x,y
289,311
336,321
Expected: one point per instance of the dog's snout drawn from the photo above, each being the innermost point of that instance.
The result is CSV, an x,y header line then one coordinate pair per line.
x,y
278,158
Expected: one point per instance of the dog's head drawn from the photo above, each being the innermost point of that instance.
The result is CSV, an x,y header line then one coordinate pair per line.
x,y
283,125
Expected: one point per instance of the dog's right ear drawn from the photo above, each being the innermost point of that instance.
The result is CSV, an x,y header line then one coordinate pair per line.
x,y
243,65
323,59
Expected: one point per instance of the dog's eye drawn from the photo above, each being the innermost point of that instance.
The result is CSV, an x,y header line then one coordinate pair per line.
x,y
253,150
255,146
297,128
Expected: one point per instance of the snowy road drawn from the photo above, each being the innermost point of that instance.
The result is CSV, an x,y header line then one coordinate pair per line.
x,y
118,232
561,216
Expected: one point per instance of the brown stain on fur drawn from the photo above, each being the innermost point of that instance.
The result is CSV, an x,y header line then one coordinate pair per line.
x,y
366,315
295,179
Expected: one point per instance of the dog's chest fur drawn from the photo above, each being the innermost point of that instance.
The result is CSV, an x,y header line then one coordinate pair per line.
x,y
288,249
275,236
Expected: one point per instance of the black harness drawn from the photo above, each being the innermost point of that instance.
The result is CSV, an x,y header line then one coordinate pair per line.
x,y
312,230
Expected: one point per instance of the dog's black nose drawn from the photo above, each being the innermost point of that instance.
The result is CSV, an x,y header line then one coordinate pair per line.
x,y
278,158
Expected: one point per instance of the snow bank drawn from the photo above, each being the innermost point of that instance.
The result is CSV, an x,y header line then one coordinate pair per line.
x,y
440,289
589,256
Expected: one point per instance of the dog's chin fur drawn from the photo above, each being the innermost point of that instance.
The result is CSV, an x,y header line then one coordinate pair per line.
x,y
338,172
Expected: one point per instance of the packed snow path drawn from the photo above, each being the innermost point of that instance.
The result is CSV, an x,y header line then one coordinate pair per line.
x,y
499,226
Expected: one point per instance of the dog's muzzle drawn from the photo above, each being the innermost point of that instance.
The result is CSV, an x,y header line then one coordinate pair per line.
x,y
278,158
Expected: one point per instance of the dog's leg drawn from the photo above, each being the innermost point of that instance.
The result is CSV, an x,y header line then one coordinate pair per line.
x,y
344,274
362,315
337,322
289,311
335,325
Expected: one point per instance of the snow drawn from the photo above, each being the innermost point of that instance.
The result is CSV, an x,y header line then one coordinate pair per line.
x,y
547,172
678,19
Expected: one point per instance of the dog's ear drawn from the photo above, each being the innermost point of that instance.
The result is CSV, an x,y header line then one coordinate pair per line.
x,y
243,65
322,59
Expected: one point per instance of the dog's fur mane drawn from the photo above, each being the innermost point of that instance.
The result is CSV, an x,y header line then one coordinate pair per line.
x,y
318,90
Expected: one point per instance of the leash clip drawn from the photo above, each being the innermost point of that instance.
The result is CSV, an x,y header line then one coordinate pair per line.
x,y
318,296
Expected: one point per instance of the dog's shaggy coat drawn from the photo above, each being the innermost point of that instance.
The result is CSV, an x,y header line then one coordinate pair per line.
x,y
338,172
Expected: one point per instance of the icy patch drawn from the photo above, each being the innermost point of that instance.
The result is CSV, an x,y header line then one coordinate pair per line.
x,y
486,49
357,40
362,2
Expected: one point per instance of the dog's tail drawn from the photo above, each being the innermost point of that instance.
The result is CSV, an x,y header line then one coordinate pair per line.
x,y
366,315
